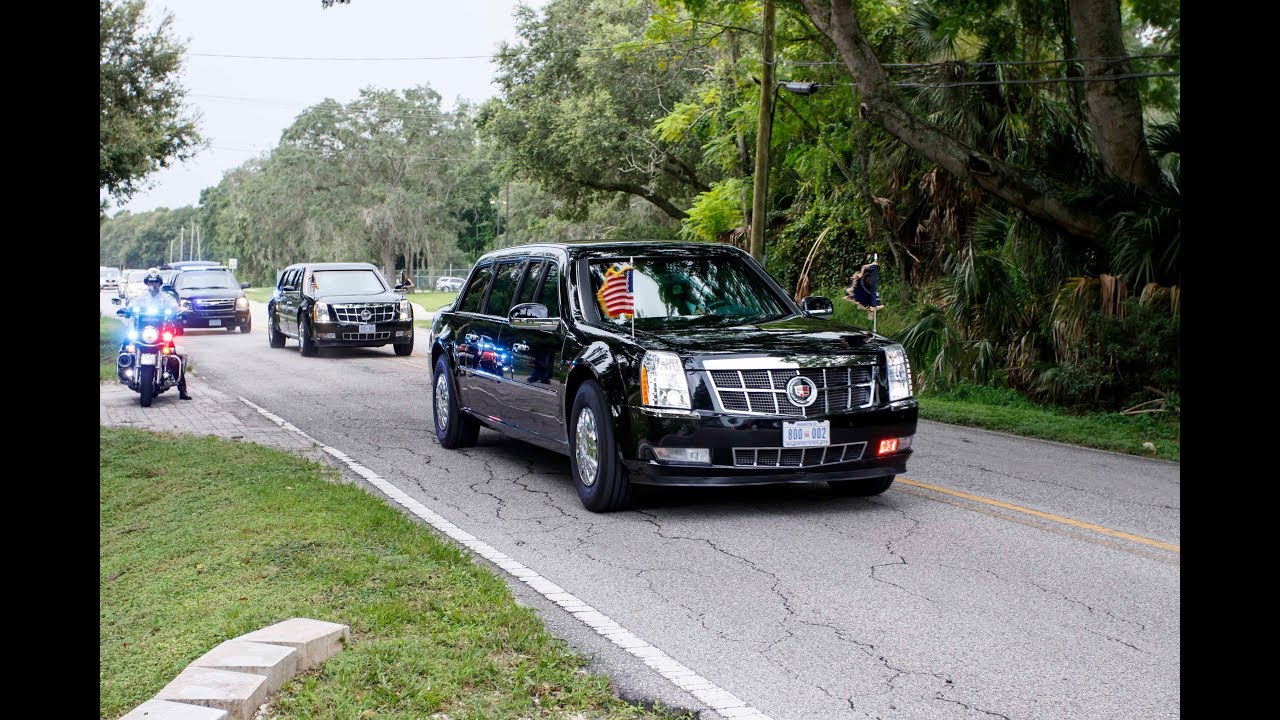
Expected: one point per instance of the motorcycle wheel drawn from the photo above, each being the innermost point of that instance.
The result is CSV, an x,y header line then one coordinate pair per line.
x,y
146,385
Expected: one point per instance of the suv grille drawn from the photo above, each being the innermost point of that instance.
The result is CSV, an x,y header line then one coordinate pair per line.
x,y
378,312
764,392
218,304
798,457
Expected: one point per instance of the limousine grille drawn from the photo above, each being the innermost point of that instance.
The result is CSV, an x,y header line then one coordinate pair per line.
x,y
798,457
378,312
366,336
764,392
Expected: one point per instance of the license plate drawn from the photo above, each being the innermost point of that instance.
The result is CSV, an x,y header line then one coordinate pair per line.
x,y
806,433
368,329
147,359
215,323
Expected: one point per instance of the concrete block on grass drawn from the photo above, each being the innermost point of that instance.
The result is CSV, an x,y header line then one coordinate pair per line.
x,y
167,710
315,640
277,663
238,693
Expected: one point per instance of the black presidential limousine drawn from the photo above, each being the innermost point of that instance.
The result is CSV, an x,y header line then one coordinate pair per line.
x,y
668,363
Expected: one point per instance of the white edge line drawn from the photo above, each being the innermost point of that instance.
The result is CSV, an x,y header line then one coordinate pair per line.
x,y
718,699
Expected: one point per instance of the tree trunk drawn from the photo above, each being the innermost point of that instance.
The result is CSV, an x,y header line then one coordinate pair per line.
x,y
880,104
661,202
1113,106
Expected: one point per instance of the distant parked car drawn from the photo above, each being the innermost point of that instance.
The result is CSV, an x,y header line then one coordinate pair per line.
x,y
108,277
131,283
449,283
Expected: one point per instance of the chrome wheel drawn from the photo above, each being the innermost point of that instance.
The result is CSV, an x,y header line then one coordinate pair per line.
x,y
442,402
587,439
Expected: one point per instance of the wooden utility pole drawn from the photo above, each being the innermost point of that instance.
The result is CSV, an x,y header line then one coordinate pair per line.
x,y
764,129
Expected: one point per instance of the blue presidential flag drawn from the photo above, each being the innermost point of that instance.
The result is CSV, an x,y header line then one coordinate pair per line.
x,y
863,291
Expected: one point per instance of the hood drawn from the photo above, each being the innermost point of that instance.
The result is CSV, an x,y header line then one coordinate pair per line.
x,y
793,337
386,297
210,294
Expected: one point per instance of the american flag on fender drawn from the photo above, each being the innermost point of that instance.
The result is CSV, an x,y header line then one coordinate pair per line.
x,y
617,292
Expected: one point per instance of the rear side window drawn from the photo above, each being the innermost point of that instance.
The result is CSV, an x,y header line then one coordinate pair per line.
x,y
504,288
473,295
529,287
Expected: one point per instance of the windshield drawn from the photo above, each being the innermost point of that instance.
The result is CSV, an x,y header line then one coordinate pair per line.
x,y
670,293
197,280
346,282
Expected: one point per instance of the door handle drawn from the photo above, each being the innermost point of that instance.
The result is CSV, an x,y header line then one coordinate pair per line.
x,y
520,348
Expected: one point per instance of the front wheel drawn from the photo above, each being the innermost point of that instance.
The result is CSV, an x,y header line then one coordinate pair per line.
x,y
454,428
247,326
404,349
860,488
602,482
274,338
306,344
146,385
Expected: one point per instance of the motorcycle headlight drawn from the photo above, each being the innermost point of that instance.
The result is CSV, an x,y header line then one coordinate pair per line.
x,y
662,381
899,372
149,334
242,303
320,311
406,310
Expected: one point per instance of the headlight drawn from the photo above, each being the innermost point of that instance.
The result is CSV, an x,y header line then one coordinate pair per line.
x,y
899,372
185,304
149,334
242,303
662,381
406,310
320,311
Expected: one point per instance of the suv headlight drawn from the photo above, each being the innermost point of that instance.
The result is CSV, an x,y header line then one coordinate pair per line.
x,y
406,310
320,311
899,372
663,382
242,303
185,304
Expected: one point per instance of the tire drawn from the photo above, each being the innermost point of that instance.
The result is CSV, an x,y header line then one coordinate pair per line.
x,y
454,428
602,482
274,338
306,344
860,488
246,327
403,349
146,385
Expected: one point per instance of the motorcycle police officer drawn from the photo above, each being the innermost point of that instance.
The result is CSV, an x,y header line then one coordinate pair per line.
x,y
162,301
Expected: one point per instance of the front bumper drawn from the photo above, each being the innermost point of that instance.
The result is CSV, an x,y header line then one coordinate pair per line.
x,y
348,334
215,319
844,458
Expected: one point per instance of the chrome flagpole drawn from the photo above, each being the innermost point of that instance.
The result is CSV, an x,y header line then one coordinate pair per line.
x,y
875,258
631,291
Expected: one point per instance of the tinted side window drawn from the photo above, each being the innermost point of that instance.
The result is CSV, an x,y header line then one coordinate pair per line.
x,y
473,295
549,293
504,288
530,283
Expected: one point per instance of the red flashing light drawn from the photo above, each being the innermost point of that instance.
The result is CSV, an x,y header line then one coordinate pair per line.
x,y
168,336
888,446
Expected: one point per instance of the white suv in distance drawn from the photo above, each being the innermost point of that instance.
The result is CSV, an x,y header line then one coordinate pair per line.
x,y
449,284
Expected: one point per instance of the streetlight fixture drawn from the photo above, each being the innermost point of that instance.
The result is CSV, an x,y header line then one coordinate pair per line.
x,y
760,194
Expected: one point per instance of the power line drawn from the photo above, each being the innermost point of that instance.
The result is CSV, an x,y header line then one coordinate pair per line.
x,y
1037,81
493,56
987,63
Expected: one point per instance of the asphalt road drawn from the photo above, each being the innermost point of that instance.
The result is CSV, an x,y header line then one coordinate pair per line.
x,y
1001,577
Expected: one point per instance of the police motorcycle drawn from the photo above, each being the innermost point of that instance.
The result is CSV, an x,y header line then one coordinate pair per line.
x,y
149,362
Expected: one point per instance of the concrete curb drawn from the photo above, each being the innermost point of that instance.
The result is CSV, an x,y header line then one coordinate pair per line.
x,y
232,680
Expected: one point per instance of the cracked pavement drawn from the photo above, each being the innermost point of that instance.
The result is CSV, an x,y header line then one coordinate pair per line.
x,y
805,605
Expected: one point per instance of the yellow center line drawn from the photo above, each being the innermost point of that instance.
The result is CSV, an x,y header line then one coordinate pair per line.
x,y
1046,516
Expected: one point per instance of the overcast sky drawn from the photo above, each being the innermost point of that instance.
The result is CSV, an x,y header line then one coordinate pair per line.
x,y
246,103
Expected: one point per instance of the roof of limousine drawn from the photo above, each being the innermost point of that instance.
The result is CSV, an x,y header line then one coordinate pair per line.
x,y
615,249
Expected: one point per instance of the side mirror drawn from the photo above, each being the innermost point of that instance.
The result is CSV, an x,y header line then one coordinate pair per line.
x,y
122,312
116,301
399,287
816,306
244,286
531,315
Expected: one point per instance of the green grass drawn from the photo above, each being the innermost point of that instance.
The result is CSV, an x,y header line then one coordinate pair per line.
x,y
1005,410
432,301
204,539
110,334
259,294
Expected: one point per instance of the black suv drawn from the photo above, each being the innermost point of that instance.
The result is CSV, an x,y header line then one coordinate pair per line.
x,y
668,363
338,305
212,298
